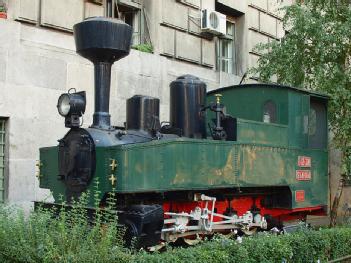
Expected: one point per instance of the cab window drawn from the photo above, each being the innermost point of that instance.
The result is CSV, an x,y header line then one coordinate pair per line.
x,y
317,129
269,112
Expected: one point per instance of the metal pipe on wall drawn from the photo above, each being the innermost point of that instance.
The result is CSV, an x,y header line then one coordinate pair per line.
x,y
108,8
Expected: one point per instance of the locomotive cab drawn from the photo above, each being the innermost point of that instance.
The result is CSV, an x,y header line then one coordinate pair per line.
x,y
276,115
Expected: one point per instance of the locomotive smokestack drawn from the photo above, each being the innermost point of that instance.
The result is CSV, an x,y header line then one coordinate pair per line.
x,y
103,41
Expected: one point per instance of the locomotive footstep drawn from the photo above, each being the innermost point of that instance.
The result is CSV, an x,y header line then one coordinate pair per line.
x,y
192,241
250,232
158,247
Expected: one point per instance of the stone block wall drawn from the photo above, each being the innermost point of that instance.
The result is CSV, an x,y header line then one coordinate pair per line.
x,y
181,34
264,24
61,14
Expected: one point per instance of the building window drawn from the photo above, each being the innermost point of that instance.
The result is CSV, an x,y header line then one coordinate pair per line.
x,y
269,112
132,18
226,50
2,159
136,17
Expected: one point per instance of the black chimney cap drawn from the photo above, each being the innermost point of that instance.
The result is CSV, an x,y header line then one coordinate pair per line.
x,y
101,39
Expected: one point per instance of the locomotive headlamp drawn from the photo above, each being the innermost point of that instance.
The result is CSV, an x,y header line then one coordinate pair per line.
x,y
72,107
63,105
71,104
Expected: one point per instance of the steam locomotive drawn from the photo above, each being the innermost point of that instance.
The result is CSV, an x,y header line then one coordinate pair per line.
x,y
239,158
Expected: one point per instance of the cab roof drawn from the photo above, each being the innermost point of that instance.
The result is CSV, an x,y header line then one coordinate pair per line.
x,y
273,86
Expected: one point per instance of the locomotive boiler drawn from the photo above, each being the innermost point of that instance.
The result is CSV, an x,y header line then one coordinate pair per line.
x,y
239,158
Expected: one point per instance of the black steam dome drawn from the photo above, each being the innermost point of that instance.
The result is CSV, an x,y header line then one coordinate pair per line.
x,y
103,41
187,98
143,113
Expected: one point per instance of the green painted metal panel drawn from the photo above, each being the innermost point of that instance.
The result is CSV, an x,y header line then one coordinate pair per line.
x,y
298,119
292,109
316,190
48,173
103,173
176,164
277,166
186,164
261,133
247,103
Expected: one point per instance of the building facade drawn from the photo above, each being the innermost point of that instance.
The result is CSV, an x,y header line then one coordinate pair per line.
x,y
38,62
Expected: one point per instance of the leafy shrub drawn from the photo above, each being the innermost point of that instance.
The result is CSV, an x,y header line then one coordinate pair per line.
x,y
48,235
3,6
303,246
61,235
148,48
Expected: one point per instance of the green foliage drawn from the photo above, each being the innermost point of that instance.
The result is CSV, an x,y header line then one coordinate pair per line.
x,y
61,235
3,6
74,235
148,48
315,54
300,247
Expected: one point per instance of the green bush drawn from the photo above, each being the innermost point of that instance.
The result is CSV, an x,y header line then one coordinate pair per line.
x,y
148,48
68,236
303,246
3,7
61,236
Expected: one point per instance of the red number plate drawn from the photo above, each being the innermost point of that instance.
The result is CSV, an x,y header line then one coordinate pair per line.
x,y
299,195
304,161
303,175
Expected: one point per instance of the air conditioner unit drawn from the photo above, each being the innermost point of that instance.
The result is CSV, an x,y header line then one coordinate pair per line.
x,y
213,22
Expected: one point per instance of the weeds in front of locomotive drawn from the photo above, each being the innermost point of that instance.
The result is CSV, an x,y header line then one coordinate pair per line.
x,y
198,174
